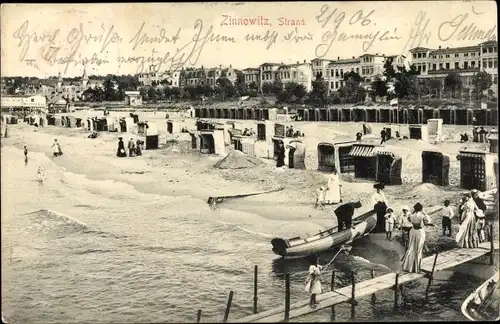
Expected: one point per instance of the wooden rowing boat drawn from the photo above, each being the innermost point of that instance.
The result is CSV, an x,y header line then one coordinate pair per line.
x,y
325,240
483,304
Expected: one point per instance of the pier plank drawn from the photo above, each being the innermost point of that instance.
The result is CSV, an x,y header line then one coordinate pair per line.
x,y
445,260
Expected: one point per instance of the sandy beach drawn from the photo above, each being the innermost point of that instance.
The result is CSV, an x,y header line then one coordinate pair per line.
x,y
173,169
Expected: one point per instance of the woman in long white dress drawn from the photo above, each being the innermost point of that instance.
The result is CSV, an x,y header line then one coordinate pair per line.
x,y
412,260
313,285
467,236
332,193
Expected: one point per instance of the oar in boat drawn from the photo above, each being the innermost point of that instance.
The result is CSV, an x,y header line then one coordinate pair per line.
x,y
214,200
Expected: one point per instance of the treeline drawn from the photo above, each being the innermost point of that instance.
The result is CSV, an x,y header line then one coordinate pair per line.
x,y
223,90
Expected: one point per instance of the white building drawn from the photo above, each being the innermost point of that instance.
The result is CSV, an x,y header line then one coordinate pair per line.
x,y
465,60
13,102
153,78
300,73
338,68
269,73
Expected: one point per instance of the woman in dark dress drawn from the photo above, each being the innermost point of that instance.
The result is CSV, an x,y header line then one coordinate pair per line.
x,y
121,148
281,156
379,203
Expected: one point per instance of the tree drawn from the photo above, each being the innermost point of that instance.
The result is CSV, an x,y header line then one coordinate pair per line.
x,y
353,76
481,81
152,94
283,96
405,82
144,94
453,81
299,91
267,88
434,86
379,88
277,86
225,88
389,71
319,92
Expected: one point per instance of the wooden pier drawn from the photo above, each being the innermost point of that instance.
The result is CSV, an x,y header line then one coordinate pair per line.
x,y
437,262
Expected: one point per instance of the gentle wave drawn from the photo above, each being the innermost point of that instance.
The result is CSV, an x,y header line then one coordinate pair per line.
x,y
51,214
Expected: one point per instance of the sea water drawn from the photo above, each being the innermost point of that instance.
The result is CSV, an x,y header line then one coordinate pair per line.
x,y
80,250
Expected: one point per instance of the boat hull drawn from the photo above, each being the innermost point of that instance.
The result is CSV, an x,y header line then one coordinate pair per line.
x,y
326,240
475,307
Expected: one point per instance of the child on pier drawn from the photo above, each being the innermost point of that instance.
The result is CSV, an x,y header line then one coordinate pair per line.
x,y
389,223
447,216
313,285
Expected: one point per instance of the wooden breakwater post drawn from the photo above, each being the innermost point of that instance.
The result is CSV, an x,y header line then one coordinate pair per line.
x,y
287,298
228,306
492,245
198,316
353,295
374,298
255,272
431,276
396,288
332,288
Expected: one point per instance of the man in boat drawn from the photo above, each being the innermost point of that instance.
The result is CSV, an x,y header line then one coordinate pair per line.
x,y
344,214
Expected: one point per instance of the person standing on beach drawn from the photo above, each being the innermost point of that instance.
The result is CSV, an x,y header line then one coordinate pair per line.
x,y
121,148
138,151
131,147
475,134
447,216
25,155
313,285
55,148
412,260
332,193
280,161
383,135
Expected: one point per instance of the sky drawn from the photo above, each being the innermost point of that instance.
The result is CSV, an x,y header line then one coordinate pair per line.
x,y
125,38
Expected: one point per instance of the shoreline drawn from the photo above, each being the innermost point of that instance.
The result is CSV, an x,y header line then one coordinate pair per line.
x,y
174,174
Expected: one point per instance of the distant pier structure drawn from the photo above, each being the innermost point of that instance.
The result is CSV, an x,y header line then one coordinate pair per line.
x,y
393,115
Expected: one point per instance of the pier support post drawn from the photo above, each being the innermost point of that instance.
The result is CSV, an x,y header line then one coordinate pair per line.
x,y
198,316
287,297
396,288
492,245
431,276
374,298
228,306
353,296
332,287
255,272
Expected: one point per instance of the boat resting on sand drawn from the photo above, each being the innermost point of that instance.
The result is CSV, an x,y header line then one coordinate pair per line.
x,y
483,304
329,239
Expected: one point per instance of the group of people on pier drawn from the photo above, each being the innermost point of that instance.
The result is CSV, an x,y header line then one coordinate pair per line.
x,y
470,215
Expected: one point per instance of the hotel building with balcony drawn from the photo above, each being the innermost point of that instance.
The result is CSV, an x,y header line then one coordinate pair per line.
x,y
465,60
368,66
301,73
